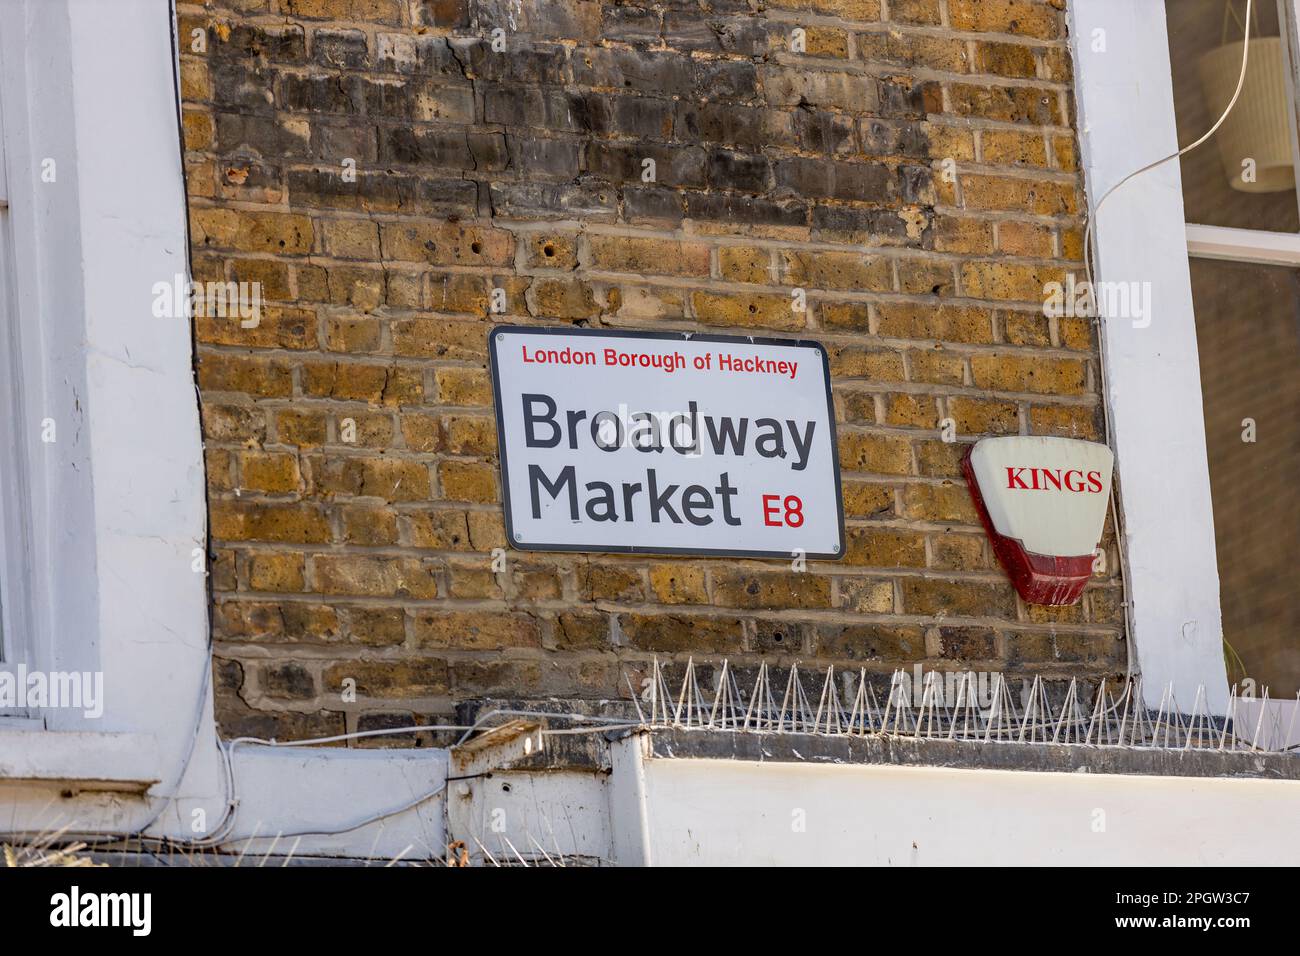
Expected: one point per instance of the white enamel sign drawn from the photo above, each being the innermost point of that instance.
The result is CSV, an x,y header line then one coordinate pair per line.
x,y
667,443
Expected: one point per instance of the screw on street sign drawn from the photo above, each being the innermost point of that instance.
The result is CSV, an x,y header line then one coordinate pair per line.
x,y
666,443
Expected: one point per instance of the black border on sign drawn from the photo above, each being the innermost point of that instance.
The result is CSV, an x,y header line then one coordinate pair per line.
x,y
498,330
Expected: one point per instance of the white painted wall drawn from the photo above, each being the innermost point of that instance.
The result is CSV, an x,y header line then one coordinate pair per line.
x,y
119,499
1126,120
733,813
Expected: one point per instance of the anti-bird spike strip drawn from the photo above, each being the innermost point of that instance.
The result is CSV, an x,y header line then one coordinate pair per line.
x,y
948,706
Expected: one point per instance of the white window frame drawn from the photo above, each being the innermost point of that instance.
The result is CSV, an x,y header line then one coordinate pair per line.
x,y
1153,388
116,503
1259,246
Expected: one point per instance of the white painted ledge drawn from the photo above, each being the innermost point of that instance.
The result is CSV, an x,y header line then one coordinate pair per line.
x,y
735,813
91,760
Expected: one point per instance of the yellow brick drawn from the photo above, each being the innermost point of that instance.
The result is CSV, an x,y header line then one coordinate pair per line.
x,y
1026,239
439,338
949,501
864,499
1009,280
838,270
268,378
474,630
915,11
277,327
861,10
925,277
937,367
950,142
958,234
446,243
827,42
354,381
302,428
422,432
1019,373
351,238
1067,421
280,233
949,323
195,84
771,590
744,264
389,679
885,548
471,434
564,299
649,256
368,524
678,583
746,310
374,576
855,361
463,386
551,251
1009,104
275,572
1041,197
263,521
197,128
343,334
393,479
1006,59
911,411
272,472
879,454
468,481
979,416
1019,17
845,315
1026,328
1012,147
371,11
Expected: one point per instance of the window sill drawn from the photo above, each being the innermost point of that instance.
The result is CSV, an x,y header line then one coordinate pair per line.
x,y
84,760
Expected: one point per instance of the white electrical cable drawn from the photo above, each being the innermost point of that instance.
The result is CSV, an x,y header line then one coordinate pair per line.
x,y
1241,82
221,834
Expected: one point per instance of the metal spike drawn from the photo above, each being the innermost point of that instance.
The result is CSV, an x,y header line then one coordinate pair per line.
x,y
928,721
829,703
966,709
898,711
1259,723
1067,725
1098,726
636,702
719,713
758,716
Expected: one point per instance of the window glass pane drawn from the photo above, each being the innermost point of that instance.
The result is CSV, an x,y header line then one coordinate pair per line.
x,y
1248,336
1244,176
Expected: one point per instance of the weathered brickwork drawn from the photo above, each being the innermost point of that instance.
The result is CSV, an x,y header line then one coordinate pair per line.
x,y
379,168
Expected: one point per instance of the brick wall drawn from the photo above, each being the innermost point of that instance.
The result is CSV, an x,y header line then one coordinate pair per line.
x,y
379,168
